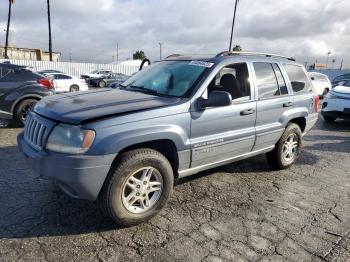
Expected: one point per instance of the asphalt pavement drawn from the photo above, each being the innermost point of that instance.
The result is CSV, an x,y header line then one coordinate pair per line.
x,y
239,212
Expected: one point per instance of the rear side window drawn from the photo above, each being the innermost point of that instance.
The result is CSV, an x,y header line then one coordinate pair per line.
x,y
298,79
266,80
21,75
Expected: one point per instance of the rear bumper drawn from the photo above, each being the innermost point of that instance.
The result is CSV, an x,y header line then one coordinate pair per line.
x,y
336,108
80,176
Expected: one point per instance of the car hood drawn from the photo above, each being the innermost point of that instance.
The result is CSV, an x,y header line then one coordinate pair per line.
x,y
342,89
75,108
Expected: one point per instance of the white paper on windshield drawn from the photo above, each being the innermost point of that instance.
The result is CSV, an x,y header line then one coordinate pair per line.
x,y
202,64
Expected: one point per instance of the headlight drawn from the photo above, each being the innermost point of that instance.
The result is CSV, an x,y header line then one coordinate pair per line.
x,y
70,139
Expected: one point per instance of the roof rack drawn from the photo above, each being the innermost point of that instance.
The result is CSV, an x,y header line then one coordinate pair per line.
x,y
173,55
231,53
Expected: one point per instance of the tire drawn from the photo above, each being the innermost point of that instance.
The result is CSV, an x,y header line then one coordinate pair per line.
x,y
102,84
74,88
114,195
329,118
23,108
277,157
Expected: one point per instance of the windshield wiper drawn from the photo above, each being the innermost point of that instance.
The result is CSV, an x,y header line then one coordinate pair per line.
x,y
144,90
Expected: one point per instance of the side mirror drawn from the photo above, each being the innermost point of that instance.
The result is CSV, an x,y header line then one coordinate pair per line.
x,y
215,99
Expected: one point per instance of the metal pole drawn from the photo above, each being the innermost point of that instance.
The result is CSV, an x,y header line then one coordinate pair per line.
x,y
117,53
160,51
233,24
327,59
49,21
8,29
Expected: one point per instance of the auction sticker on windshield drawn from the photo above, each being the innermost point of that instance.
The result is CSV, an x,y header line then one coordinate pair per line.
x,y
202,64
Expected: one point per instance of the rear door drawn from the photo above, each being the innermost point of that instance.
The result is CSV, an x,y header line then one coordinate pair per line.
x,y
303,96
222,133
273,103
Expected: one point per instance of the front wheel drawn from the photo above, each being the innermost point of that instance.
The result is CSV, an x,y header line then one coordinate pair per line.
x,y
287,149
23,109
137,187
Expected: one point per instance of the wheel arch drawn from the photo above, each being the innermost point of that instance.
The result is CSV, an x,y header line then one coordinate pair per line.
x,y
21,99
167,147
300,121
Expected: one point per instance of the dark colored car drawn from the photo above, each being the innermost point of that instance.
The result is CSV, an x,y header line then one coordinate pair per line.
x,y
340,80
20,89
106,80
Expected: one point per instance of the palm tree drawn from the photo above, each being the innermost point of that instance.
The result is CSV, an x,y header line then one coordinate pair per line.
x,y
49,22
11,2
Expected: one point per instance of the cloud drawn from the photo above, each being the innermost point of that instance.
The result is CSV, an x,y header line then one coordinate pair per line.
x,y
91,29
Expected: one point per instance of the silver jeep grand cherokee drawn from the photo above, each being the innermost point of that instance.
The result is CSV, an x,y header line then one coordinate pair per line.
x,y
177,117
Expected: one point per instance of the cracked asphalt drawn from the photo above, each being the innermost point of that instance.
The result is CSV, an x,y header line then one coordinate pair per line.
x,y
239,212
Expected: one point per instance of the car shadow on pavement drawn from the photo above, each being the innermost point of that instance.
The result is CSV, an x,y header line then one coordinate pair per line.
x,y
331,143
254,165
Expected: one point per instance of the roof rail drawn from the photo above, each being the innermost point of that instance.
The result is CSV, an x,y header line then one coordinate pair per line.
x,y
231,53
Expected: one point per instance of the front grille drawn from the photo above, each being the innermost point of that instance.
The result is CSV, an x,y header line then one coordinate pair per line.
x,y
36,130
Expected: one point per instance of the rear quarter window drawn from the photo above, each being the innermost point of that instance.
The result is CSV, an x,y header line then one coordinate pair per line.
x,y
298,79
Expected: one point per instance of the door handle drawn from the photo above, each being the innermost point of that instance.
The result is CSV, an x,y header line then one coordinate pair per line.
x,y
288,104
247,112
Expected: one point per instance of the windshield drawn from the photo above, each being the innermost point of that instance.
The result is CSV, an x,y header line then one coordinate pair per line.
x,y
171,78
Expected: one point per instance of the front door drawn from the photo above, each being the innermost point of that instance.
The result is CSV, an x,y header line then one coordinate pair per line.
x,y
221,133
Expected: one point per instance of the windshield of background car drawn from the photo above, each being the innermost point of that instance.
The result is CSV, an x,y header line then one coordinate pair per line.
x,y
171,78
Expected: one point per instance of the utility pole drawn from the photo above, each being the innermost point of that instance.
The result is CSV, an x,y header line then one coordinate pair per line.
x,y
341,64
233,24
70,57
160,50
49,21
11,2
328,53
117,53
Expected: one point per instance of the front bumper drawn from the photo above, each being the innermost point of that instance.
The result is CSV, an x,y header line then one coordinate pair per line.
x,y
80,176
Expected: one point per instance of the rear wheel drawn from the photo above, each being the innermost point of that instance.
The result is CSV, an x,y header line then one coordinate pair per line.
x,y
74,88
102,84
287,149
23,109
137,187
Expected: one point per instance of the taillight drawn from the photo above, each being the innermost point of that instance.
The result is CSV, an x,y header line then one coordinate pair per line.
x,y
317,101
46,83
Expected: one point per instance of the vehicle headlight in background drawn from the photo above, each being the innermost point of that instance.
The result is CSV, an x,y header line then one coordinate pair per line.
x,y
70,139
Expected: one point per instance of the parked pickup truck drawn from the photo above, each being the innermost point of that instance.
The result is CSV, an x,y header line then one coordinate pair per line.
x,y
174,118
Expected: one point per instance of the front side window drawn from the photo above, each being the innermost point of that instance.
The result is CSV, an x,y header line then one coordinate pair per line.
x,y
233,79
169,78
266,80
298,79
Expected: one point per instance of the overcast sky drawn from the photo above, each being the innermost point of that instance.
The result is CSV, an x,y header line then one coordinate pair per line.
x,y
91,29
